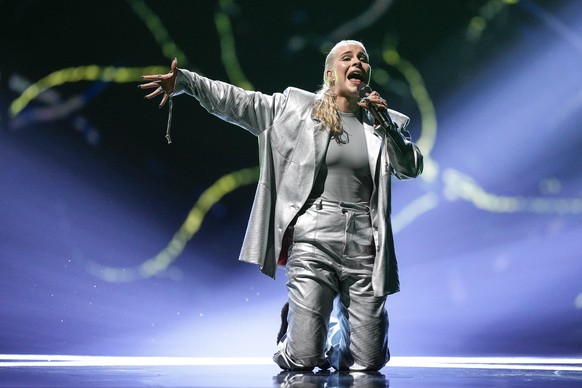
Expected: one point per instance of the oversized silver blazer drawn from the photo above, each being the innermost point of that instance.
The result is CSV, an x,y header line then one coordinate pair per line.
x,y
292,147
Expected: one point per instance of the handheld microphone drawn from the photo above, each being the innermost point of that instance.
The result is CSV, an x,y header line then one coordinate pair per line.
x,y
381,116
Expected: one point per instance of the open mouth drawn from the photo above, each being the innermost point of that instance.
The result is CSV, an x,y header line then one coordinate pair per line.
x,y
356,77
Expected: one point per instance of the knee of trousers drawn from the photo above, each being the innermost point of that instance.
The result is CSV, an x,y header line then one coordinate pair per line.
x,y
369,365
372,365
288,362
304,345
366,350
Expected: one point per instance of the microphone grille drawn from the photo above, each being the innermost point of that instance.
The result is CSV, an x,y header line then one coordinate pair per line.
x,y
364,90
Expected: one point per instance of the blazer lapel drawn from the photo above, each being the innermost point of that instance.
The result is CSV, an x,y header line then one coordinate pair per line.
x,y
321,136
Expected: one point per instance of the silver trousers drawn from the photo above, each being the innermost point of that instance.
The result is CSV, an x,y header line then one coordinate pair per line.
x,y
331,258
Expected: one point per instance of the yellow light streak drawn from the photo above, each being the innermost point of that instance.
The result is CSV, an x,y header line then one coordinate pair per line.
x,y
78,74
152,21
461,186
425,105
188,229
227,47
413,210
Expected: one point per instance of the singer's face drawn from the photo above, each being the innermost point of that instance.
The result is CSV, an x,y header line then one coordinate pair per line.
x,y
350,68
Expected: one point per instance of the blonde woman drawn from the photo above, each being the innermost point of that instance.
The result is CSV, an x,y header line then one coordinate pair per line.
x,y
322,205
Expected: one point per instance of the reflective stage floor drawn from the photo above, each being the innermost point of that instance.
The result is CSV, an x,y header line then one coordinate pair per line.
x,y
87,372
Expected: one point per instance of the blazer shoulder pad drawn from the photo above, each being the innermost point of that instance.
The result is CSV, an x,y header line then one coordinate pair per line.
x,y
299,95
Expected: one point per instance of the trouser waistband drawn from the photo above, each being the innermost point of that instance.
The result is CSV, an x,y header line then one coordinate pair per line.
x,y
356,207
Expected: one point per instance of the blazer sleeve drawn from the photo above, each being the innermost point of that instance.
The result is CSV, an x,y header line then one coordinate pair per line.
x,y
251,110
404,155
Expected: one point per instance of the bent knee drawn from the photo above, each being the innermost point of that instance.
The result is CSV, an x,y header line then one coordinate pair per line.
x,y
293,362
370,365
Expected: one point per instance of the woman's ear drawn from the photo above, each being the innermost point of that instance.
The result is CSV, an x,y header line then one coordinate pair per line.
x,y
329,75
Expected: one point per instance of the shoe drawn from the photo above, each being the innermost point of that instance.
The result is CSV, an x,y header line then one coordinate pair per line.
x,y
284,323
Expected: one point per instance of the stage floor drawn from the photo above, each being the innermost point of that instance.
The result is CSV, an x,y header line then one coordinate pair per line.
x,y
88,372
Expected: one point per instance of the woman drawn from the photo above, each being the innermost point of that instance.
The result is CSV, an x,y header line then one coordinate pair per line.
x,y
322,206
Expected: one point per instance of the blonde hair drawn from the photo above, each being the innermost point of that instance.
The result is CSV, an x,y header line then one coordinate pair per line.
x,y
324,108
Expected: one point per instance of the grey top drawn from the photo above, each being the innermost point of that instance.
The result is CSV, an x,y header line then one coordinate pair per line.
x,y
345,173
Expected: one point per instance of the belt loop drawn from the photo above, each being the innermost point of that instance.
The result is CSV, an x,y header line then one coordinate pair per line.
x,y
319,206
342,208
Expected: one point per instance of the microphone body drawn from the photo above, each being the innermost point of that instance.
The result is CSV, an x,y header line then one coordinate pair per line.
x,y
381,116
398,144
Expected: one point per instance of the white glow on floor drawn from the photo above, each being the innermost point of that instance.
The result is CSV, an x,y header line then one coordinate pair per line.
x,y
514,363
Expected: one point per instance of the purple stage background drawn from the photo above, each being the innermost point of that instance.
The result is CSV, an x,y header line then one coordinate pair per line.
x,y
489,240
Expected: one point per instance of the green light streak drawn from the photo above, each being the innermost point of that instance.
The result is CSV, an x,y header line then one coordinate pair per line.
x,y
413,210
189,228
227,48
77,74
461,186
487,11
425,105
169,48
